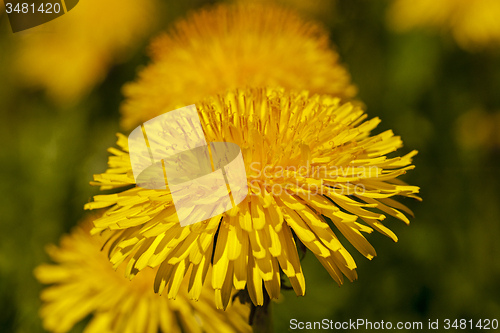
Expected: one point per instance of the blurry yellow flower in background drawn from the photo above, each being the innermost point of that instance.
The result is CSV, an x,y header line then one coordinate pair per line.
x,y
312,167
234,46
83,282
473,23
478,129
71,54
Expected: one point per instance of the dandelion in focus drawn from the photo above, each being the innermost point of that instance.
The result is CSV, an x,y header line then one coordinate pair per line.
x,y
234,46
71,54
473,24
84,283
313,170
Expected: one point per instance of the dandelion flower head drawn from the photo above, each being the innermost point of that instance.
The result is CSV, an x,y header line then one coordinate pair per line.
x,y
234,46
313,171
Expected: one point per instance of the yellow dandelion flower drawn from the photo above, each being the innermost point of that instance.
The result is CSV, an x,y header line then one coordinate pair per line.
x,y
69,55
83,283
473,23
312,168
234,46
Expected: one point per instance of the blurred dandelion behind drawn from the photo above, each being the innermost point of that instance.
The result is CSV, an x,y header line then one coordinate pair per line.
x,y
70,55
82,283
234,46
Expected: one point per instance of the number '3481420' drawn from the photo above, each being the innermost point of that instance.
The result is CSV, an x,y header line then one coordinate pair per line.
x,y
28,14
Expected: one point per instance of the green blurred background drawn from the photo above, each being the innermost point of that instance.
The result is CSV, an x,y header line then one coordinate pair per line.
x,y
442,100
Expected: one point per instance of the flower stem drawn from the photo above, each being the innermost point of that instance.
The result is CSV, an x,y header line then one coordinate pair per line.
x,y
261,317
